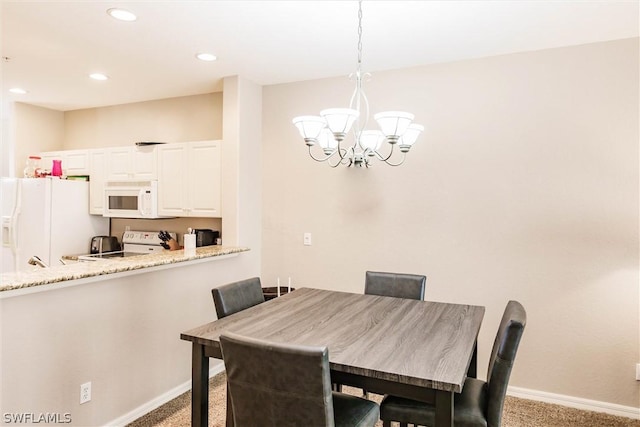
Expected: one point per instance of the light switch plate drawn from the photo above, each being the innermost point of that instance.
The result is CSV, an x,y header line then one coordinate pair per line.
x,y
307,239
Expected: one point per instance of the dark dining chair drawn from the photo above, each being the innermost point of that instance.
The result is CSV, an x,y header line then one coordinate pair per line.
x,y
237,296
232,298
480,403
279,385
398,285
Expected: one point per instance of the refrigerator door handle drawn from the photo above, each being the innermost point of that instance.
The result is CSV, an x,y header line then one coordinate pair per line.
x,y
13,226
6,231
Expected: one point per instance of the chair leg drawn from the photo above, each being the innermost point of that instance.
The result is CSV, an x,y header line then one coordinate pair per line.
x,y
337,387
386,423
229,421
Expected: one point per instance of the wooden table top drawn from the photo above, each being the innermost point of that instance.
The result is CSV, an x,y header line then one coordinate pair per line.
x,y
422,343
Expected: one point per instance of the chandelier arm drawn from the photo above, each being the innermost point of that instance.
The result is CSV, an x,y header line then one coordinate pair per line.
x,y
386,159
342,152
404,156
338,163
317,159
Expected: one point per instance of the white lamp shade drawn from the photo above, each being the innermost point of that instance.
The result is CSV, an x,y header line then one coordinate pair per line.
x,y
371,139
326,140
309,126
393,123
411,134
340,120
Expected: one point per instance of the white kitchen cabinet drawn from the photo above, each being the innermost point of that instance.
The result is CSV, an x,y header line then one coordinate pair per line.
x,y
189,177
131,162
74,162
98,173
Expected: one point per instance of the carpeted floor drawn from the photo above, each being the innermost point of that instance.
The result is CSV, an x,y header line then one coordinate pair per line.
x,y
517,412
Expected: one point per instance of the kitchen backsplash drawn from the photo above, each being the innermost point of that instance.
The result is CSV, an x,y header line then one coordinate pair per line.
x,y
177,225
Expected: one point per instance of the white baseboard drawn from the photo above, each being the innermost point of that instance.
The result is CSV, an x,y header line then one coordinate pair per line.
x,y
523,393
575,402
159,401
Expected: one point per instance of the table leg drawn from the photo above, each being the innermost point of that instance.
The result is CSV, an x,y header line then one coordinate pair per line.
x,y
444,408
199,387
473,367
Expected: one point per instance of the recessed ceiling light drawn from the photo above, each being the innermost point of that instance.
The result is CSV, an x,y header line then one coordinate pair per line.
x,y
18,91
122,14
98,76
206,57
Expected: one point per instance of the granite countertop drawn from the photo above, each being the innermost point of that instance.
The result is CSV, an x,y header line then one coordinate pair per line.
x,y
38,276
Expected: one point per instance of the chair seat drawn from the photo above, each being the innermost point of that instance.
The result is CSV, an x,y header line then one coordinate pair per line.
x,y
470,407
354,411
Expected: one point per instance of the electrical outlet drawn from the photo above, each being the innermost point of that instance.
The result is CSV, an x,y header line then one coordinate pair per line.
x,y
307,239
85,392
637,371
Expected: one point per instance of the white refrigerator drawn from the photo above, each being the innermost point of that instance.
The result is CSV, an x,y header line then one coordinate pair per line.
x,y
47,218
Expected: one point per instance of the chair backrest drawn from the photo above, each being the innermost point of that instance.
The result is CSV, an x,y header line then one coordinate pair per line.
x,y
409,286
274,384
237,296
503,355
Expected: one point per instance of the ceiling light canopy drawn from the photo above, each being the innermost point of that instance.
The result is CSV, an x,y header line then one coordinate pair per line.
x,y
206,57
331,127
122,14
99,76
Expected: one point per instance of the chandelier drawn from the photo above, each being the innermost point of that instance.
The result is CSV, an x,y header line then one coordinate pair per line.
x,y
330,128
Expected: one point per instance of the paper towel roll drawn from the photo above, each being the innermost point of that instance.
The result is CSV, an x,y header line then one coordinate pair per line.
x,y
189,242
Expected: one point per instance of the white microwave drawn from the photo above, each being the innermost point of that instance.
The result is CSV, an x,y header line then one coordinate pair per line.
x,y
131,199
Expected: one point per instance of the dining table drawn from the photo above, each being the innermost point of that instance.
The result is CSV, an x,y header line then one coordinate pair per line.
x,y
421,350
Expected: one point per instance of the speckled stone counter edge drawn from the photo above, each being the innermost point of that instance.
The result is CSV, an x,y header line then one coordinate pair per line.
x,y
83,270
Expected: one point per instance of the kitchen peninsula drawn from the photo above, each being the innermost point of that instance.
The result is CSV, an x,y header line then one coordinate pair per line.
x,y
113,323
88,271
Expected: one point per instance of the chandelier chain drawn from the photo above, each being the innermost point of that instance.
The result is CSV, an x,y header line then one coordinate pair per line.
x,y
359,35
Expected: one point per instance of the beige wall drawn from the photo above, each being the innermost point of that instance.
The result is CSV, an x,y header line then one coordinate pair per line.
x,y
188,118
36,129
523,186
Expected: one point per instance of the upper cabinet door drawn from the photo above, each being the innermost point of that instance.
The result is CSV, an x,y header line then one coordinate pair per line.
x,y
172,199
77,162
132,162
189,179
203,160
119,161
144,163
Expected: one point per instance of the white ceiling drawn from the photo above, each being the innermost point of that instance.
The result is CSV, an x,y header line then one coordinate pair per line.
x,y
54,45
